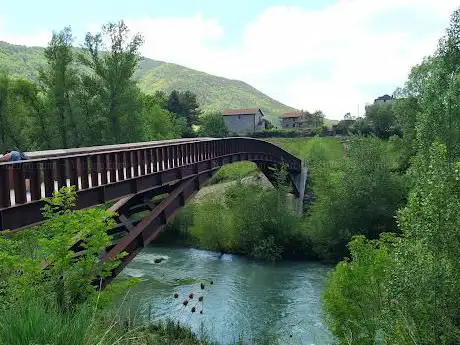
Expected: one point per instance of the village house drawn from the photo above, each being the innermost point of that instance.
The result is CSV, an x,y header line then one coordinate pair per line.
x,y
384,99
292,120
244,120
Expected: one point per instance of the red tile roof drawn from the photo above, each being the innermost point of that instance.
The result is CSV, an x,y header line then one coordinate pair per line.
x,y
292,114
249,111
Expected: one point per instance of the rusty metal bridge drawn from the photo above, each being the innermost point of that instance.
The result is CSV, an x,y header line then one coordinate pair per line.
x,y
131,175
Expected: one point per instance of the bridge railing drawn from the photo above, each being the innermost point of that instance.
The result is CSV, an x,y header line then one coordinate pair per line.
x,y
27,182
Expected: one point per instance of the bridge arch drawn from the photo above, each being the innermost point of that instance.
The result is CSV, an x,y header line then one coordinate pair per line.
x,y
131,174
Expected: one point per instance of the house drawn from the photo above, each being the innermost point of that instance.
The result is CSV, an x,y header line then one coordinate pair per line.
x,y
244,120
292,120
384,99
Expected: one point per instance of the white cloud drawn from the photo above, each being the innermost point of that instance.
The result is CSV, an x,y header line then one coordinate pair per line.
x,y
40,38
185,40
331,59
357,53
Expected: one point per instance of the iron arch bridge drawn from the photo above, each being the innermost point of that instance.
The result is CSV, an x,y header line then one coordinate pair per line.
x,y
132,175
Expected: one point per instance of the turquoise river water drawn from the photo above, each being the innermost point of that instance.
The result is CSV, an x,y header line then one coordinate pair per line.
x,y
249,299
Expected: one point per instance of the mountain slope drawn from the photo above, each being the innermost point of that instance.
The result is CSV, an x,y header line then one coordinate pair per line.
x,y
21,61
214,93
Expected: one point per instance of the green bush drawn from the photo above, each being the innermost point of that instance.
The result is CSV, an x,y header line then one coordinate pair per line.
x,y
355,298
213,125
251,220
291,133
357,194
48,269
48,291
213,225
405,290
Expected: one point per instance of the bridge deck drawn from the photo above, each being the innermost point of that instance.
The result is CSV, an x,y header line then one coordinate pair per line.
x,y
107,173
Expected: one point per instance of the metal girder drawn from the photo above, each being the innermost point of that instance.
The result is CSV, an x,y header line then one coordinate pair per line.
x,y
150,226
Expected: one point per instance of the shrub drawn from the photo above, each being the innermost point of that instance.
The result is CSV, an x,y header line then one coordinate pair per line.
x,y
360,195
291,133
213,125
355,299
39,262
405,289
248,219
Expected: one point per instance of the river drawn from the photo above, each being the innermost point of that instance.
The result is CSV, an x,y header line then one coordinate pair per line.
x,y
241,297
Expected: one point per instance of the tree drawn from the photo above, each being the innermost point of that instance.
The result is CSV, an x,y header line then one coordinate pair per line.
x,y
405,290
184,105
158,123
348,116
59,81
213,125
174,104
93,125
318,118
362,199
344,127
361,127
382,120
313,120
437,87
161,99
111,75
406,111
191,108
20,112
4,120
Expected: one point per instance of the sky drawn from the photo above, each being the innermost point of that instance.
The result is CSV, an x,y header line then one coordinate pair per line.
x,y
329,55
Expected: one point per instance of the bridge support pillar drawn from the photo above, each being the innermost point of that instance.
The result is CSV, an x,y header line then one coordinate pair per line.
x,y
299,181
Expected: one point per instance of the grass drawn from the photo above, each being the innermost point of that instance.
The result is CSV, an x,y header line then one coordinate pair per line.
x,y
32,322
302,147
325,155
234,171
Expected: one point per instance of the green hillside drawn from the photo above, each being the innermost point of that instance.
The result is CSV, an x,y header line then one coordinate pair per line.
x,y
21,61
214,93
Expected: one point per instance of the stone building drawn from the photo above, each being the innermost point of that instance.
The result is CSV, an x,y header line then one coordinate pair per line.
x,y
244,120
292,120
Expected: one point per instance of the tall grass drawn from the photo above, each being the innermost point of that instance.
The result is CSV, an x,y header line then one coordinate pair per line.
x,y
34,322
